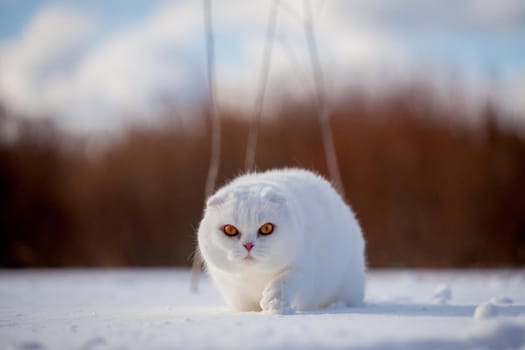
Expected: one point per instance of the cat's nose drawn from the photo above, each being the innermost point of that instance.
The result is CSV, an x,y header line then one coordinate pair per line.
x,y
248,246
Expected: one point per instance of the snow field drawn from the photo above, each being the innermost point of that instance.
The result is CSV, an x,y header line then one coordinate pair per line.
x,y
154,309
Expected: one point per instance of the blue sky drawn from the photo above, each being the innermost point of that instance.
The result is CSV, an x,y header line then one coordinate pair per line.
x,y
15,14
92,64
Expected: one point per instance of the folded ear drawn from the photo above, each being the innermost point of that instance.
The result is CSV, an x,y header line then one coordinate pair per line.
x,y
273,196
215,201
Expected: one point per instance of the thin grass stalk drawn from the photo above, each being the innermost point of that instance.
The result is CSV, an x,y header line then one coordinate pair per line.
x,y
215,151
251,146
322,107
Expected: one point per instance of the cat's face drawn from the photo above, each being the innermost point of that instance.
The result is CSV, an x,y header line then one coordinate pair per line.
x,y
249,228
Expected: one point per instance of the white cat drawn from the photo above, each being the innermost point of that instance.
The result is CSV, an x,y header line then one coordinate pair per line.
x,y
282,240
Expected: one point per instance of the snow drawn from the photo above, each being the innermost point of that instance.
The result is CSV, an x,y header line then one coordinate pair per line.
x,y
442,294
485,310
154,309
501,300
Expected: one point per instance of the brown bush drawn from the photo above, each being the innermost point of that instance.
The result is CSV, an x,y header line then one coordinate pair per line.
x,y
429,190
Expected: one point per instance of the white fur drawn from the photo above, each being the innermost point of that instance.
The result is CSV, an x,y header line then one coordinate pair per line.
x,y
314,257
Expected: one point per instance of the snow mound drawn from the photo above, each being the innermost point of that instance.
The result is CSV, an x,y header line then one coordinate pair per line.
x,y
485,311
442,294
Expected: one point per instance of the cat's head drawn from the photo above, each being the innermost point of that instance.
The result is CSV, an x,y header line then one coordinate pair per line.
x,y
249,227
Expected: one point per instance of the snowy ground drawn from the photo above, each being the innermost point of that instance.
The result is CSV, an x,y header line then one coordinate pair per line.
x,y
153,309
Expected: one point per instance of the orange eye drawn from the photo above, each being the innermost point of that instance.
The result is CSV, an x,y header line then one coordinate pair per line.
x,y
230,230
266,229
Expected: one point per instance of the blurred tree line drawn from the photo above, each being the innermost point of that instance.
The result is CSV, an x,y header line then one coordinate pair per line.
x,y
429,189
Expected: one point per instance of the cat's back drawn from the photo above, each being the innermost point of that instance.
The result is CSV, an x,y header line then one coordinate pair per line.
x,y
297,182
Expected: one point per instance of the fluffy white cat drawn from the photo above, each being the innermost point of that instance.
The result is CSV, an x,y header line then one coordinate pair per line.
x,y
282,240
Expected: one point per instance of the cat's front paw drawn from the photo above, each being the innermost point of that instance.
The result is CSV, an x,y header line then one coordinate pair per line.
x,y
272,301
276,306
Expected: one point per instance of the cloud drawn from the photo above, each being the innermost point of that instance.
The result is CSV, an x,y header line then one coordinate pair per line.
x,y
66,64
32,67
346,48
57,68
503,15
446,15
128,72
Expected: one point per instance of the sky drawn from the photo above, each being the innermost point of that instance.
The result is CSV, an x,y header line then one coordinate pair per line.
x,y
96,65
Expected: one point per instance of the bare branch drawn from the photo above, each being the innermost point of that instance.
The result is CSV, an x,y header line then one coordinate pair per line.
x,y
251,146
322,108
215,151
